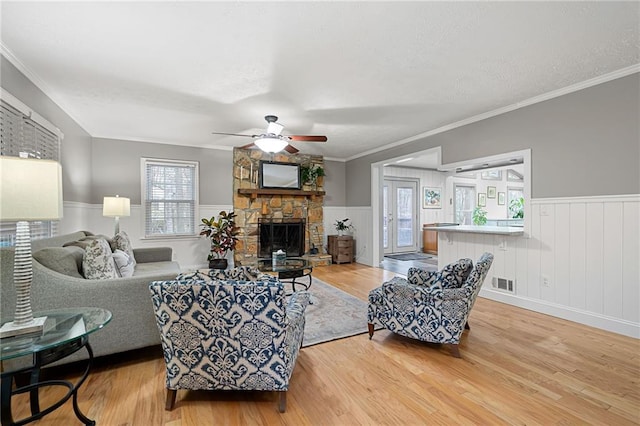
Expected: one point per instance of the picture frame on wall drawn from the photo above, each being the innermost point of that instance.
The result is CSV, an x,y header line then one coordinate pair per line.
x,y
492,175
482,199
491,192
501,198
431,197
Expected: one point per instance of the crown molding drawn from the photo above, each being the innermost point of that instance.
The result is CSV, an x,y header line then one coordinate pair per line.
x,y
531,101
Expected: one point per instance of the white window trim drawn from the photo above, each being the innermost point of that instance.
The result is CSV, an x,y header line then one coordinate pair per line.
x,y
143,195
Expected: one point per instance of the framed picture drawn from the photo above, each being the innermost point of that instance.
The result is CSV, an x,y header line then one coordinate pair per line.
x,y
482,199
431,197
492,175
491,192
501,197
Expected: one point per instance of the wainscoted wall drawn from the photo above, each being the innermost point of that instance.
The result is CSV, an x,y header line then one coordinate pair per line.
x,y
580,263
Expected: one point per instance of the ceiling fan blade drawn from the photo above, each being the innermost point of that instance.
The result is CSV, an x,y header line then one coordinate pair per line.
x,y
300,138
247,146
233,134
291,149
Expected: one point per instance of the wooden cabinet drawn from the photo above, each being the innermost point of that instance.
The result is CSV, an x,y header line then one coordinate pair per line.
x,y
429,240
341,248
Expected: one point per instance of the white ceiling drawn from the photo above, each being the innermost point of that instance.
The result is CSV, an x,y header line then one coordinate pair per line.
x,y
365,74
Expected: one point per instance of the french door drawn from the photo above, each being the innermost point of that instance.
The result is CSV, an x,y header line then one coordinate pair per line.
x,y
465,202
400,215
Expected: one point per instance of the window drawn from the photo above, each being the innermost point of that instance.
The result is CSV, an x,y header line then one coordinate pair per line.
x,y
23,133
465,202
170,197
515,203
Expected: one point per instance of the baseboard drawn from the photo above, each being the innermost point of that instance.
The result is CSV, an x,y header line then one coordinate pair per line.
x,y
603,322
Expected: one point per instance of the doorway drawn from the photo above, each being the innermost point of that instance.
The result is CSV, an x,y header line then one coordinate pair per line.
x,y
399,215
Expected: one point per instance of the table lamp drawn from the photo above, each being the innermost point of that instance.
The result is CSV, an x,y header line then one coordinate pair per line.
x,y
116,207
30,190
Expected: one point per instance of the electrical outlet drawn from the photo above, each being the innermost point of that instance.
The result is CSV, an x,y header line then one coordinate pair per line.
x,y
545,281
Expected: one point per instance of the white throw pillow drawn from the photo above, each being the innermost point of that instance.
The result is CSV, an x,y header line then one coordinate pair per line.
x,y
122,242
97,261
124,264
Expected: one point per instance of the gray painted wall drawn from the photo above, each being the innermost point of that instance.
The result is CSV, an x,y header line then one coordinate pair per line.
x,y
75,149
334,183
116,169
586,143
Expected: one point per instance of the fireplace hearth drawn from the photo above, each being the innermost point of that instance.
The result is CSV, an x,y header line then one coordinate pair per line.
x,y
281,234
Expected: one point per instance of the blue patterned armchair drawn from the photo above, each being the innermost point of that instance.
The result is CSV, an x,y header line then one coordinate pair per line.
x,y
432,306
228,335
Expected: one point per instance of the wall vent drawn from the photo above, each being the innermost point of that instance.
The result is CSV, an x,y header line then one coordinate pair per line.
x,y
503,284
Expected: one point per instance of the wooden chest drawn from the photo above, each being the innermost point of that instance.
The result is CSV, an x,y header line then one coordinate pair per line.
x,y
341,248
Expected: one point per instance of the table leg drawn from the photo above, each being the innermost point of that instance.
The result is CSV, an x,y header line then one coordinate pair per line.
x,y
5,399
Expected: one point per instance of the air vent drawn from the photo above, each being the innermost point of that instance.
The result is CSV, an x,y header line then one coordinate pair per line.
x,y
503,284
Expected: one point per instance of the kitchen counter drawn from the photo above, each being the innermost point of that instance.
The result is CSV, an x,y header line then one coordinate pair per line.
x,y
473,229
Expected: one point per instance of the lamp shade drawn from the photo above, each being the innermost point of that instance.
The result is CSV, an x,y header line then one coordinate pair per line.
x,y
270,144
30,189
116,207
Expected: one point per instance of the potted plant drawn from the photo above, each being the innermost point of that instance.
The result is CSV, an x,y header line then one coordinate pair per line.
x,y
479,216
343,225
516,207
222,231
311,175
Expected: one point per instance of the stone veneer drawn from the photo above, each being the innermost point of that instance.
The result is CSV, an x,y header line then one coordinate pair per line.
x,y
246,164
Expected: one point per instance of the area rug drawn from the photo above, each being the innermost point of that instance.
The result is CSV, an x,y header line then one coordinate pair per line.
x,y
332,315
408,256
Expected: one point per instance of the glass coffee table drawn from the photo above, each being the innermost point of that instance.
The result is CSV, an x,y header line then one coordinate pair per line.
x,y
289,270
66,331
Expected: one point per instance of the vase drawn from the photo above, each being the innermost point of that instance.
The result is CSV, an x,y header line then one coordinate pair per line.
x,y
218,264
340,232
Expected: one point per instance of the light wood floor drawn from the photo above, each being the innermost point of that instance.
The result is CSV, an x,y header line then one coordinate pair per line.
x,y
517,367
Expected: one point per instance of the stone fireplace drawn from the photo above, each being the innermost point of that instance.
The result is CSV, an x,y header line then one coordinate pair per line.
x,y
255,206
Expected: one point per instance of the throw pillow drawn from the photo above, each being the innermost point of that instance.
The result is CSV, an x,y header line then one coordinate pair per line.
x,y
97,262
122,242
455,274
65,260
124,264
417,276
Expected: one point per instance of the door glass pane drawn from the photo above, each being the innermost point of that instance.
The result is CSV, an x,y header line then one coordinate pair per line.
x,y
404,217
385,216
465,203
515,203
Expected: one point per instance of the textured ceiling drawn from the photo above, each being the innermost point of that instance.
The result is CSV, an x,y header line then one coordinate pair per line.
x,y
365,74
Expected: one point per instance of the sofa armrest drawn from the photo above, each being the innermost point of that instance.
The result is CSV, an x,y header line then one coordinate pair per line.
x,y
296,306
153,254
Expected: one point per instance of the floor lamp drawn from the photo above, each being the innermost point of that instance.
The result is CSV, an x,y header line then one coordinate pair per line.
x,y
30,190
116,207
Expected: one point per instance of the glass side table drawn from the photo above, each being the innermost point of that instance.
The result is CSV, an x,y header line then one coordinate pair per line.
x,y
66,331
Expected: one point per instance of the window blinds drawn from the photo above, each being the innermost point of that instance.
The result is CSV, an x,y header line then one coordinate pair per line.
x,y
170,197
20,136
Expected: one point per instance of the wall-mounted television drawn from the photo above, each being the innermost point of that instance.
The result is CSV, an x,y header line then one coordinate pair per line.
x,y
274,174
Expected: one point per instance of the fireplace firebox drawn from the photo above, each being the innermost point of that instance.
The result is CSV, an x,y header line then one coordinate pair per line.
x,y
281,234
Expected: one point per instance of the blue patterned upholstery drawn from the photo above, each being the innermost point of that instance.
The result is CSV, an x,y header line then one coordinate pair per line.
x,y
431,307
228,335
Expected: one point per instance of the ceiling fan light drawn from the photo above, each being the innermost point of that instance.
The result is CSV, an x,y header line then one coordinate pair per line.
x,y
274,128
270,144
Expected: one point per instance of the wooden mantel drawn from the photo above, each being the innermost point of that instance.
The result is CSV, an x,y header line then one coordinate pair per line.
x,y
254,193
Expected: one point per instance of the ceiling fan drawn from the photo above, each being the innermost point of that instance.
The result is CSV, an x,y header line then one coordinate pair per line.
x,y
272,140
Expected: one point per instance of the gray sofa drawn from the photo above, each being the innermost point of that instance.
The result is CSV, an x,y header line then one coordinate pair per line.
x,y
58,283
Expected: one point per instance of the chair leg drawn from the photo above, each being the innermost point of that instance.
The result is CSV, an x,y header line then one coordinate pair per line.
x,y
455,352
171,399
466,326
282,401
370,326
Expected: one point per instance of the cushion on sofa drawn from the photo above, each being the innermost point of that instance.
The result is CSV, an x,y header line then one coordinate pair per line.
x,y
98,262
122,242
85,241
124,264
65,260
154,268
419,276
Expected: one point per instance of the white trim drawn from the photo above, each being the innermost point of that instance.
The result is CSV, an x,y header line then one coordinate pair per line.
x,y
603,322
527,102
